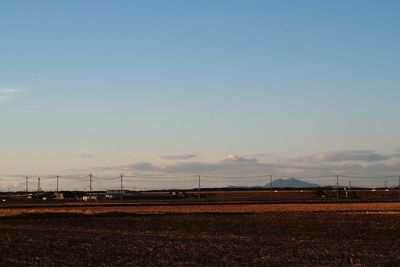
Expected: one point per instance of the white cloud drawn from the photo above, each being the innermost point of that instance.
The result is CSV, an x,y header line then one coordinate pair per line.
x,y
349,162
180,157
345,156
352,163
86,156
237,159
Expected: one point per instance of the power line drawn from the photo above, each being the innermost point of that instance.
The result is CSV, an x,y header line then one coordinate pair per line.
x,y
162,176
368,177
233,177
387,180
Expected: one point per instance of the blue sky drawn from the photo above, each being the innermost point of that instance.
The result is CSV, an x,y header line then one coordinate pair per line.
x,y
86,85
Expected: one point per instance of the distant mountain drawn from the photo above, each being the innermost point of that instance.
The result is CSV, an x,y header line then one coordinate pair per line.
x,y
290,183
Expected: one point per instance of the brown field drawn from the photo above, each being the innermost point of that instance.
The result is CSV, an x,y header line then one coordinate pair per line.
x,y
387,207
217,239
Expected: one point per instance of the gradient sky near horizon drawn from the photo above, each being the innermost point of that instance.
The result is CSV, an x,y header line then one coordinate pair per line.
x,y
88,84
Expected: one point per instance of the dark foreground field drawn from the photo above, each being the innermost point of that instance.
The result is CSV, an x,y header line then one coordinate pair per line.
x,y
274,239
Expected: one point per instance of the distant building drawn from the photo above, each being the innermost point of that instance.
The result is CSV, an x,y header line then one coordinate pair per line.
x,y
87,198
58,195
117,192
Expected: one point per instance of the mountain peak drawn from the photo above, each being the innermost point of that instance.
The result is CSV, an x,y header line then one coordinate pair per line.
x,y
291,183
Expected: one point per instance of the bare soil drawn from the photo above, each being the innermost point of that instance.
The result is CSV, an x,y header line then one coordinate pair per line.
x,y
202,239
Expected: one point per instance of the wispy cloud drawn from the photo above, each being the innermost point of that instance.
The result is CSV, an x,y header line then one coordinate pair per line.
x,y
85,156
352,163
237,159
180,157
345,156
347,162
6,94
260,155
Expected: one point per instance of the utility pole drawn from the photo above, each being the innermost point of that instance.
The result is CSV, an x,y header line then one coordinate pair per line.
x,y
337,187
385,191
90,185
38,185
26,186
399,186
270,187
122,176
58,176
198,189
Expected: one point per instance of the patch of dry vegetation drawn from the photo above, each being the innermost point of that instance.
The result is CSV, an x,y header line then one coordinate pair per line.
x,y
231,208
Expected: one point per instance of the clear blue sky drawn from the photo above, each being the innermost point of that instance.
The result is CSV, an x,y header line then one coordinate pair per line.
x,y
106,83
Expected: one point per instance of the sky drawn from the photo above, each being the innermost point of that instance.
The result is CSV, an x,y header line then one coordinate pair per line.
x,y
198,87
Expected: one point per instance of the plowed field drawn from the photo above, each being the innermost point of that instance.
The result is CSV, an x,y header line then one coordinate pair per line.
x,y
274,238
